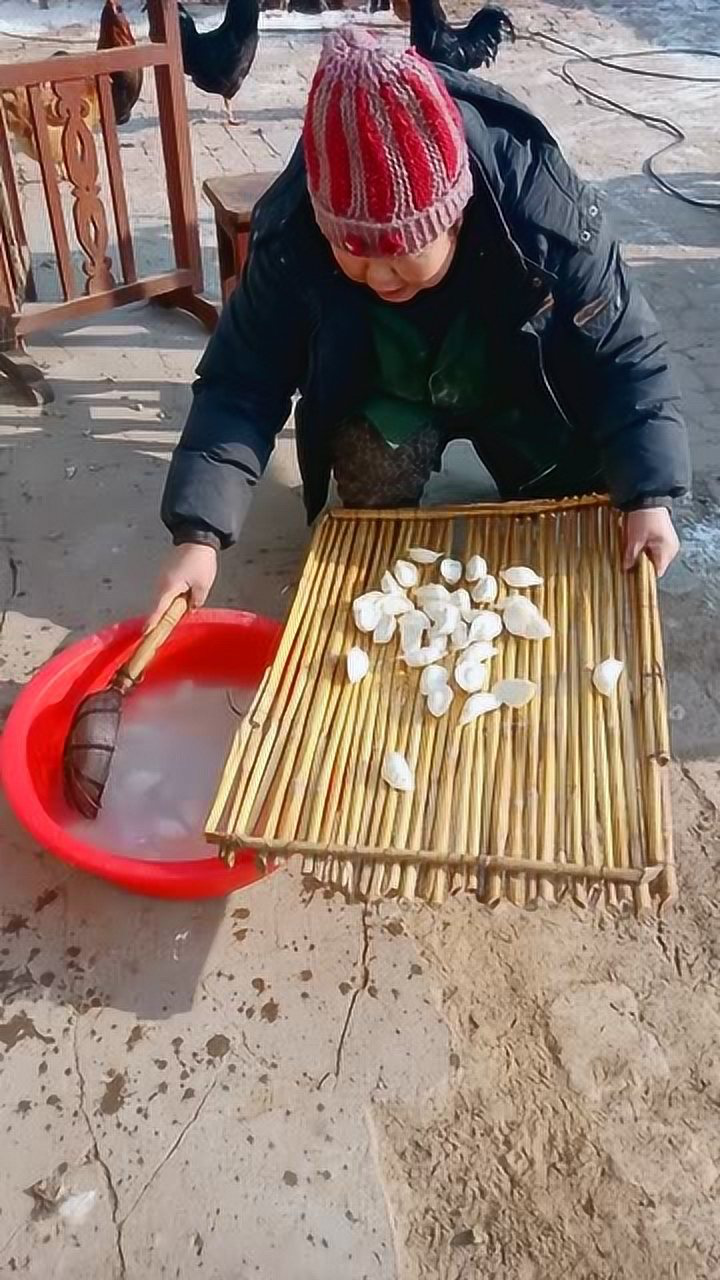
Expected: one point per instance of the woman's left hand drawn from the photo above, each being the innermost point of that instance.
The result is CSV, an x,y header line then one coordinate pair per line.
x,y
651,531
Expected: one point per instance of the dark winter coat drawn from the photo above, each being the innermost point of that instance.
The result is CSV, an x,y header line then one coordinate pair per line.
x,y
572,332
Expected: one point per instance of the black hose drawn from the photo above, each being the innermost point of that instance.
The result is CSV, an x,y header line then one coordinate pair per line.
x,y
613,61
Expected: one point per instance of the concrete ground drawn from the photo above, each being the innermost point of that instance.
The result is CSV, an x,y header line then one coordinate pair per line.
x,y
296,1089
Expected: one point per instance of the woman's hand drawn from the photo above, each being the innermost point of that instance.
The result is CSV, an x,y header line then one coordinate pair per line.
x,y
191,568
651,531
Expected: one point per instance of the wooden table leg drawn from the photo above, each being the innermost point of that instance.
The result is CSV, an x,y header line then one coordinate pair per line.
x,y
241,246
192,304
226,261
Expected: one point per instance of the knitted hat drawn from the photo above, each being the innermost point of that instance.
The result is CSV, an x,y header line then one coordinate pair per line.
x,y
385,150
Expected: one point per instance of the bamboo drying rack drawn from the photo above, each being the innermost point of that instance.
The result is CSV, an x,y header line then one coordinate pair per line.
x,y
567,795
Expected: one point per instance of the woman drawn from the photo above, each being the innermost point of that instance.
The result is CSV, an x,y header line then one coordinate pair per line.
x,y
427,268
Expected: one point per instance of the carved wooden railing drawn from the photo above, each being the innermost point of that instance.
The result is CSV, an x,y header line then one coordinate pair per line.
x,y
67,78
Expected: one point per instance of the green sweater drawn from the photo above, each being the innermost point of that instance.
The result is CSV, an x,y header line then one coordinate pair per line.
x,y
417,383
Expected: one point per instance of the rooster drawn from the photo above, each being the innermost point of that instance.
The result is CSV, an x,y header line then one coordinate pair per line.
x,y
218,61
462,48
310,7
116,33
16,109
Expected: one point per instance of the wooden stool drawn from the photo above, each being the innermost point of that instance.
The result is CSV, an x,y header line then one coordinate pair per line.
x,y
233,200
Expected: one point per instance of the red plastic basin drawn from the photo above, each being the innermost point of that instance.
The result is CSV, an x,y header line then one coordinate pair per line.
x,y
214,645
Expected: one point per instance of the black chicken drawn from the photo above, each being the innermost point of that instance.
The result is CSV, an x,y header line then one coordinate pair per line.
x,y
306,6
116,33
218,61
463,48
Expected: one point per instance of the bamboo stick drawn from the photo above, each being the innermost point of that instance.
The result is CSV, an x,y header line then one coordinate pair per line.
x,y
612,581
323,549
302,760
662,726
667,889
587,698
470,509
472,763
545,672
276,747
367,858
366,763
603,609
406,725
331,720
448,738
626,648
562,748
235,771
283,671
395,716
652,765
357,786
520,779
482,816
512,730
421,735
574,841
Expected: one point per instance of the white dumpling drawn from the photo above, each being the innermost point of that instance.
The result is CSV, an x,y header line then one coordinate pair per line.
x,y
485,591
480,651
475,569
424,657
385,629
440,700
522,618
367,610
432,593
412,628
396,605
460,637
390,585
423,555
405,573
514,693
433,677
486,627
519,576
471,676
358,665
606,675
444,618
461,599
397,772
478,705
451,570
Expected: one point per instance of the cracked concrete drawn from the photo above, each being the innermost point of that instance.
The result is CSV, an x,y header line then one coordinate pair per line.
x,y
95,1152
279,1085
364,967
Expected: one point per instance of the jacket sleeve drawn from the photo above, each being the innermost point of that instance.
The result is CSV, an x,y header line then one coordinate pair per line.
x,y
603,326
242,398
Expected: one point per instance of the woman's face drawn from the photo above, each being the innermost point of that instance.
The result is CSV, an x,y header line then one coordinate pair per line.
x,y
400,279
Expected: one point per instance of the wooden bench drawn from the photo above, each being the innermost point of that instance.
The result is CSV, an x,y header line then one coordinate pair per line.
x,y
233,200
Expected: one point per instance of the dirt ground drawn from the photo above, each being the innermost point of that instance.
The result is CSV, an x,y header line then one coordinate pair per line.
x,y
295,1089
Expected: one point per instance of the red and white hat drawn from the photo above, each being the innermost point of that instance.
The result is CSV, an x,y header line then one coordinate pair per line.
x,y
387,161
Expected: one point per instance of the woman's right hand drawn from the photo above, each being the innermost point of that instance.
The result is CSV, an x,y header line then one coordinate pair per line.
x,y
191,568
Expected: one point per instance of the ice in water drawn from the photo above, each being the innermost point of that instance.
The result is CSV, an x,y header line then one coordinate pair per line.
x,y
169,755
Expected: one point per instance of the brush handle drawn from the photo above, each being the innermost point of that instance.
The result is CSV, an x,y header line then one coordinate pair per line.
x,y
132,671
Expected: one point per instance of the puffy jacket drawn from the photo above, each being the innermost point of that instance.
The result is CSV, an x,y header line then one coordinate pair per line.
x,y
573,331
